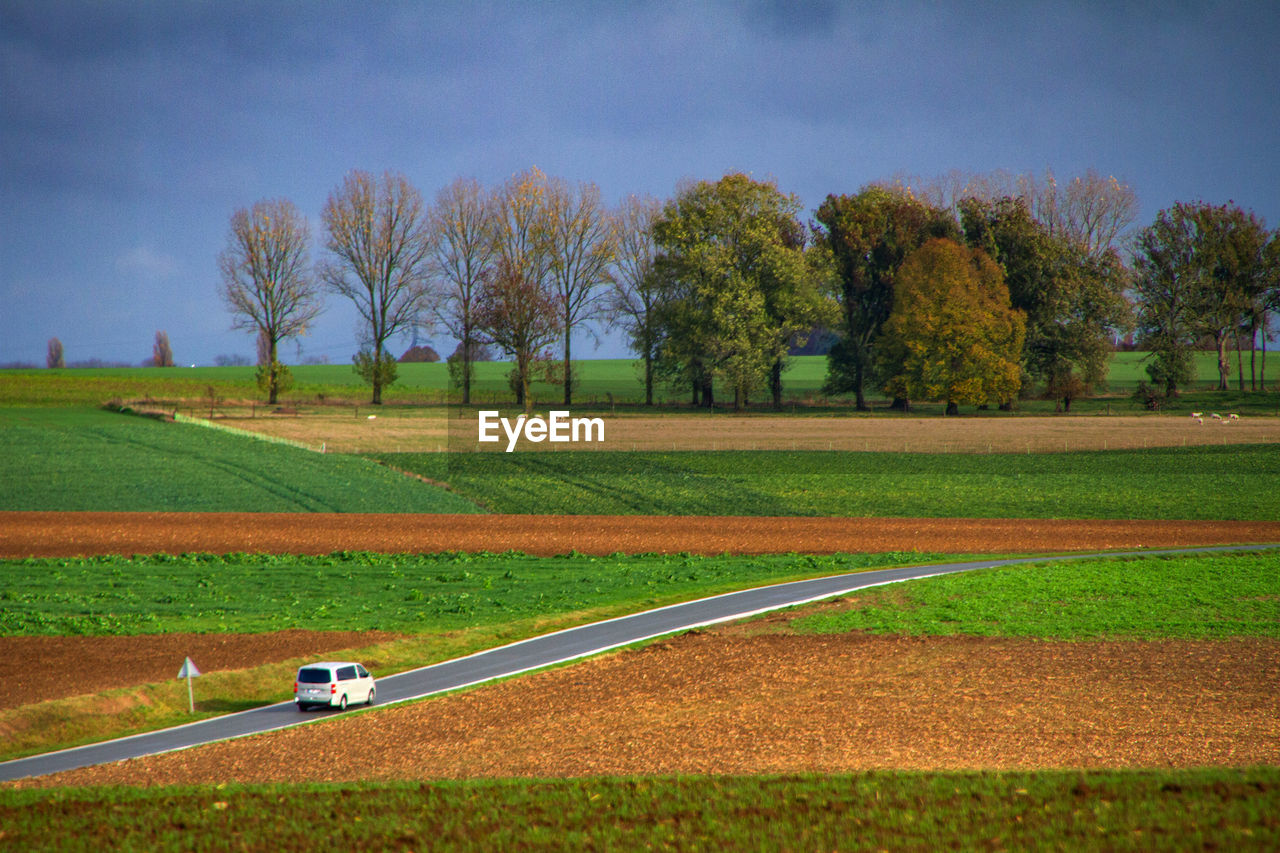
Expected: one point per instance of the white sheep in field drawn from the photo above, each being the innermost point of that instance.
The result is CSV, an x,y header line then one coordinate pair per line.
x,y
1216,416
1199,419
1196,415
1233,416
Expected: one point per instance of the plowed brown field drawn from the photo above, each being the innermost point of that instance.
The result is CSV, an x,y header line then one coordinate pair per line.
x,y
722,702
727,701
53,534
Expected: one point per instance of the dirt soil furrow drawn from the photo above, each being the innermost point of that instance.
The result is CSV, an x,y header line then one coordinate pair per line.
x,y
68,534
718,702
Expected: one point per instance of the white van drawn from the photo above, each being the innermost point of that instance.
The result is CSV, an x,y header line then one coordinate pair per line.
x,y
333,684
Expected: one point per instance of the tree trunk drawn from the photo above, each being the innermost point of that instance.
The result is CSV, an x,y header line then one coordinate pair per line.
x,y
466,367
568,373
273,387
648,379
1224,361
1265,323
738,397
775,383
1239,360
858,378
953,408
377,374
708,393
900,404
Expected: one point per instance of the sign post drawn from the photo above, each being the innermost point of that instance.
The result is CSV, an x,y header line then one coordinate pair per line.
x,y
188,672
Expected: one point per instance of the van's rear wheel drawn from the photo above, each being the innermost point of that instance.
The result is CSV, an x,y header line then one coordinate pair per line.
x,y
369,701
303,706
342,703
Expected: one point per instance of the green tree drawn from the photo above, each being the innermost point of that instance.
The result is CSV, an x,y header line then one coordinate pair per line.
x,y
952,334
868,236
737,287
1202,271
1073,297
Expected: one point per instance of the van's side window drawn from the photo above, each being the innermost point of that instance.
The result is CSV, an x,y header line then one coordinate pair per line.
x,y
346,673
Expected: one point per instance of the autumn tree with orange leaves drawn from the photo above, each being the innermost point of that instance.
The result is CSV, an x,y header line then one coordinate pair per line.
x,y
952,334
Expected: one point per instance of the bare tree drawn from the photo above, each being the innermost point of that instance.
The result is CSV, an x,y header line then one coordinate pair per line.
x,y
161,352
55,356
380,240
582,247
1090,210
635,290
267,282
462,253
519,315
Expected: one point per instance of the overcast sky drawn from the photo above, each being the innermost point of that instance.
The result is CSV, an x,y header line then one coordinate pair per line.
x,y
130,131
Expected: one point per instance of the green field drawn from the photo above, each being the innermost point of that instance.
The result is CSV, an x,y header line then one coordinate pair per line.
x,y
1236,482
1201,597
410,593
601,382
1054,810
88,459
1214,596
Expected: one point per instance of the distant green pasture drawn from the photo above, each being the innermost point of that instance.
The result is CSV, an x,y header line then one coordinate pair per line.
x,y
600,382
88,459
1233,482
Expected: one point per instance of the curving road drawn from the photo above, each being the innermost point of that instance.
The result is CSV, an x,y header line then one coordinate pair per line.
x,y
526,655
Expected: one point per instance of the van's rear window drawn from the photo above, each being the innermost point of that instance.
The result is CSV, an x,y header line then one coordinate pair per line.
x,y
313,676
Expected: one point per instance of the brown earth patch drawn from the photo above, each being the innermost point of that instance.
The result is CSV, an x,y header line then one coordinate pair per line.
x,y
422,430
41,668
715,702
58,534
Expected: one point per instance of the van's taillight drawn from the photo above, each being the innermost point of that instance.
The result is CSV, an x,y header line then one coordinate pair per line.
x,y
333,688
295,687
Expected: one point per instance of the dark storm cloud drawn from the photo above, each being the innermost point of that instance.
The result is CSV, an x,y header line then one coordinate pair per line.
x,y
131,130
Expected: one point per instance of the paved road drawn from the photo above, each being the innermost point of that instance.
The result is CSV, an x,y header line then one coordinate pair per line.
x,y
515,658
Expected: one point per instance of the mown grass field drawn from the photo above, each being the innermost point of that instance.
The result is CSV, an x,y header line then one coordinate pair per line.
x,y
1237,482
89,459
1145,810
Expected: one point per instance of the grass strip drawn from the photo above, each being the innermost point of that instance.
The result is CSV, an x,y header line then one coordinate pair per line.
x,y
1236,809
405,593
1212,483
1191,597
87,459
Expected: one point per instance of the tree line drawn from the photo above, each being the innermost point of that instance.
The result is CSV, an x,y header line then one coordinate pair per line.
x,y
972,290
